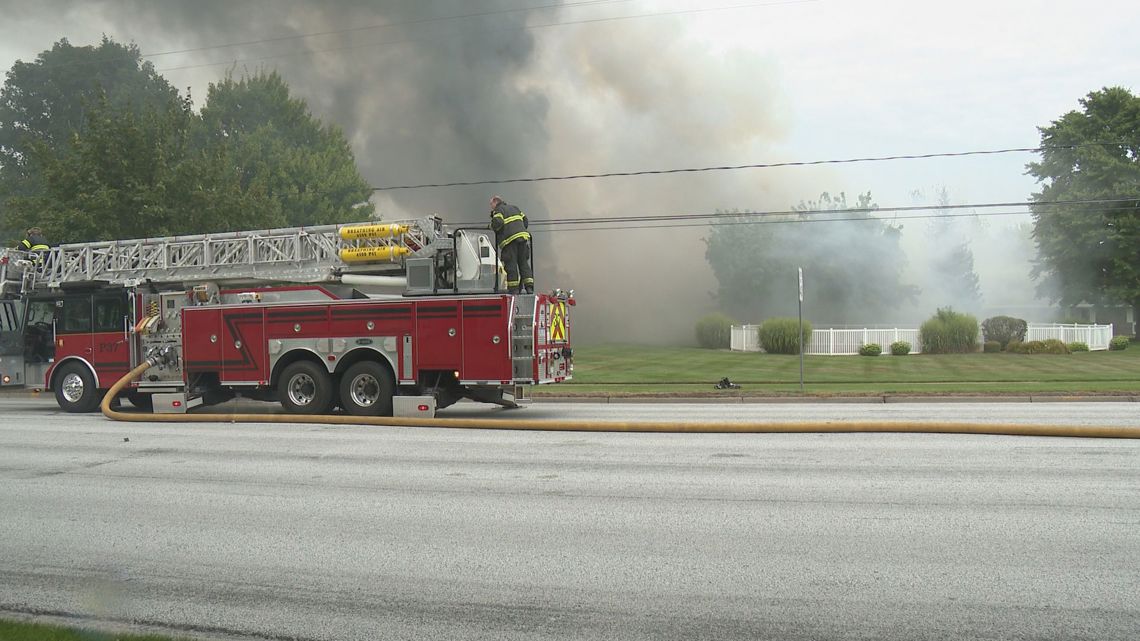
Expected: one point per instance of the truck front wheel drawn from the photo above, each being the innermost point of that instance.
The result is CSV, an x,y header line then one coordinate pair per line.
x,y
366,389
75,388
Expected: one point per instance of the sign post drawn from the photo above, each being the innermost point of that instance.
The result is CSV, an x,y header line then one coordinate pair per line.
x,y
800,336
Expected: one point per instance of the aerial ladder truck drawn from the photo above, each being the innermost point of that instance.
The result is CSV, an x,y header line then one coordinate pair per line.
x,y
367,318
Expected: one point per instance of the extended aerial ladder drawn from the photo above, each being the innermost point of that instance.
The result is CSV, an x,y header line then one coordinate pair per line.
x,y
353,253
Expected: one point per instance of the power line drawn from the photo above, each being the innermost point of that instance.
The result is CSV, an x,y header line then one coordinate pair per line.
x,y
771,165
529,27
786,215
853,210
785,221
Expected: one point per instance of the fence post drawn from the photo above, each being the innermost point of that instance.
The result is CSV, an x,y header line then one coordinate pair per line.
x,y
831,341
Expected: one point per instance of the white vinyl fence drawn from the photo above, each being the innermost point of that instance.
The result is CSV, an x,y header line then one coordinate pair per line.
x,y
839,342
1096,337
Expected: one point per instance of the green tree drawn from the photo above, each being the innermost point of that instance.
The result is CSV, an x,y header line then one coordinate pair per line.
x,y
1090,253
852,263
117,179
44,104
122,155
277,147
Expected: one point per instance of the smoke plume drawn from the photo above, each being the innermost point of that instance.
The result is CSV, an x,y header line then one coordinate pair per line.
x,y
430,99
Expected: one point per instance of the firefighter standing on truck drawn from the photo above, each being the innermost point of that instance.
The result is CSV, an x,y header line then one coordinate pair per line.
x,y
511,235
34,241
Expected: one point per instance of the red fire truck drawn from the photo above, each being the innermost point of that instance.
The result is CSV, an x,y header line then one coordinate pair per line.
x,y
373,318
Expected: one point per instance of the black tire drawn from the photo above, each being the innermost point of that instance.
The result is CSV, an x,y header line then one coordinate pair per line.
x,y
305,388
142,401
75,390
366,389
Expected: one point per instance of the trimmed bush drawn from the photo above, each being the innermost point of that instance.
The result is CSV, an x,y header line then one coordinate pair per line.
x,y
991,347
870,349
900,348
1078,347
1118,343
714,331
949,332
1013,346
781,335
1004,329
1028,347
1055,346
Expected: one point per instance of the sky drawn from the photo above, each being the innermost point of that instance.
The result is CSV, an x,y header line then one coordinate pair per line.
x,y
484,89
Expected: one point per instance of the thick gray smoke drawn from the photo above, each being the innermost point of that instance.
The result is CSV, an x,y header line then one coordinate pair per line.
x,y
487,97
502,96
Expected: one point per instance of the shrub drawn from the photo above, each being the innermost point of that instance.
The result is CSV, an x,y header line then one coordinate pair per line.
x,y
1013,346
949,332
900,348
714,331
1028,347
781,335
991,347
1078,347
1003,329
1055,346
870,349
1118,343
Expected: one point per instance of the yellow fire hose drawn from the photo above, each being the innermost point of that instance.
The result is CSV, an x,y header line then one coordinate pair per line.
x,y
1008,429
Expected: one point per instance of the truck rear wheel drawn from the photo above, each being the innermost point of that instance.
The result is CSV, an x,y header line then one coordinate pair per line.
x,y
75,388
366,389
305,388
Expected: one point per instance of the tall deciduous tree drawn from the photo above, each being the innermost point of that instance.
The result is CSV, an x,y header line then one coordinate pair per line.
x,y
124,156
116,178
44,104
1090,253
275,145
852,263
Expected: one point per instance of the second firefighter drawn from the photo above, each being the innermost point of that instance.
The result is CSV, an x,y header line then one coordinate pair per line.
x,y
513,239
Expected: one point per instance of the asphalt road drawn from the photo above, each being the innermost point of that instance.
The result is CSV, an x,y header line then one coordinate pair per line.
x,y
320,532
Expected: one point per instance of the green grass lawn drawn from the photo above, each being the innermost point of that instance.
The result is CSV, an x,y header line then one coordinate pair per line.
x,y
641,370
20,631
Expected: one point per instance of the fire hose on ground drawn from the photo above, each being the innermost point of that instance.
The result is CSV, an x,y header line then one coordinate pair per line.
x,y
722,427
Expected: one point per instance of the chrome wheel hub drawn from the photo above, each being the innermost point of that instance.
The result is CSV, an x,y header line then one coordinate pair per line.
x,y
365,390
72,387
302,390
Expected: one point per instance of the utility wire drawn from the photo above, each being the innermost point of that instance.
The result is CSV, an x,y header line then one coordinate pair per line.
x,y
785,221
803,213
782,221
797,216
771,165
528,27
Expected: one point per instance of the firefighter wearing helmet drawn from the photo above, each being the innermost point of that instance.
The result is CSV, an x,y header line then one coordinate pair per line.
x,y
33,241
510,226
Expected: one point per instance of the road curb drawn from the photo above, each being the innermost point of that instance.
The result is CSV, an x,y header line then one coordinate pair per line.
x,y
886,398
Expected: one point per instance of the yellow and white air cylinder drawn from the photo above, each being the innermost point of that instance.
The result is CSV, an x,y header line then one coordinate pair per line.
x,y
365,232
372,254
